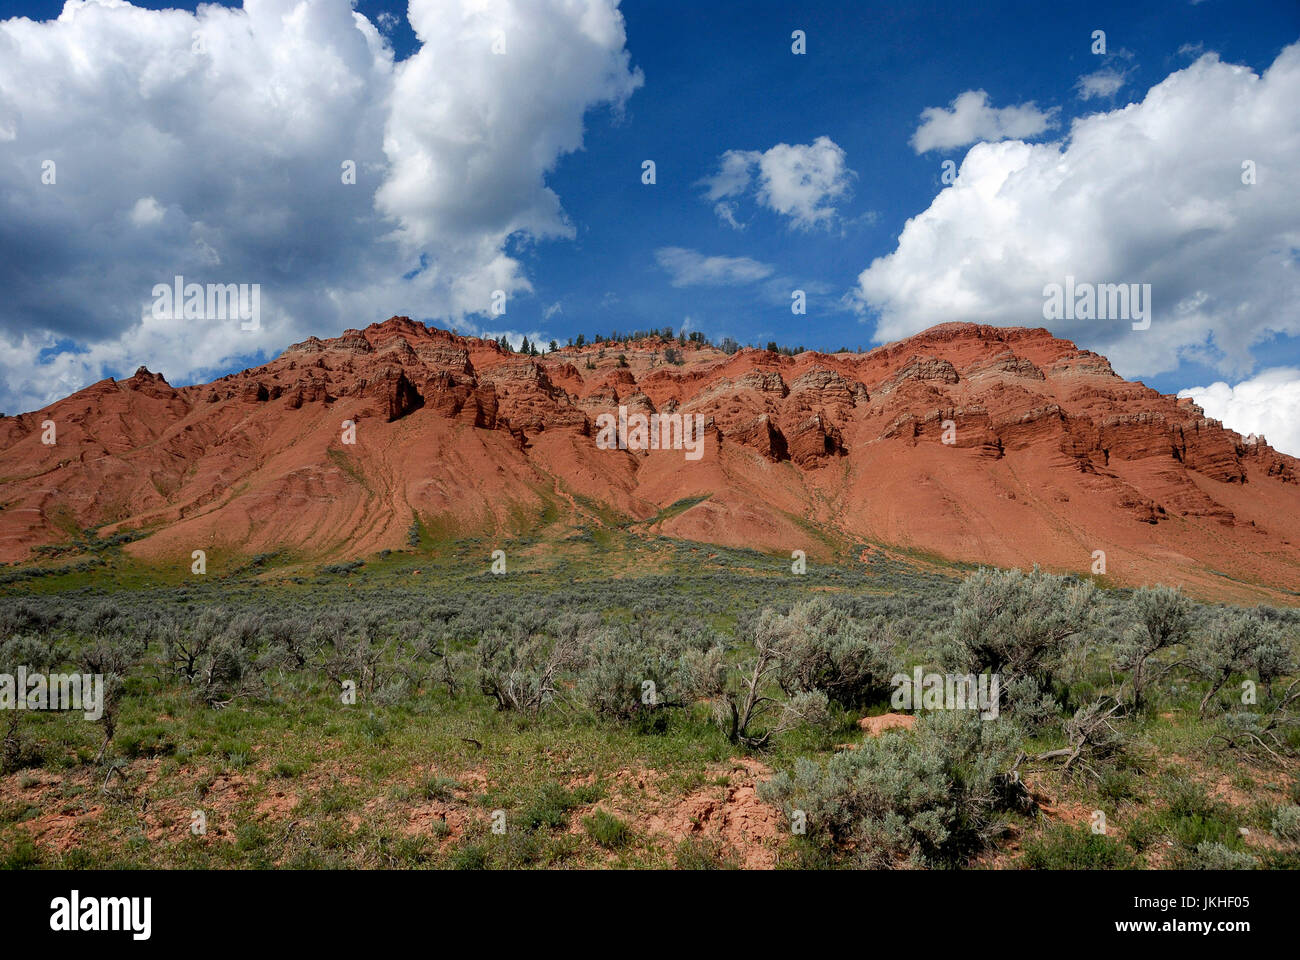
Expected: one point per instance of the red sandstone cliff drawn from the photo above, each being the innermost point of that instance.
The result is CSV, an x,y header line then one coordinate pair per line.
x,y
1054,456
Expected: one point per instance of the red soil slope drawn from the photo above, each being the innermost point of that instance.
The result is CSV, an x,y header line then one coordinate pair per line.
x,y
1054,456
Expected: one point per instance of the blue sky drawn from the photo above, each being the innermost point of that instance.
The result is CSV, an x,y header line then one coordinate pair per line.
x,y
695,82
717,81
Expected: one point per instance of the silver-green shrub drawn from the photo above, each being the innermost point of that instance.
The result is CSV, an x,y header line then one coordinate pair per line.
x,y
1160,617
1286,823
1233,643
928,797
823,648
1020,626
624,675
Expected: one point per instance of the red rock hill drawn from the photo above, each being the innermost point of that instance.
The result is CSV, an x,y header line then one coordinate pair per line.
x,y
1054,456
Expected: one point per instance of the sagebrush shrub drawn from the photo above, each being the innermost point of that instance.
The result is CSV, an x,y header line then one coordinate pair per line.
x,y
1215,856
1020,625
1286,823
744,705
931,796
625,676
1160,617
823,648
1232,643
523,673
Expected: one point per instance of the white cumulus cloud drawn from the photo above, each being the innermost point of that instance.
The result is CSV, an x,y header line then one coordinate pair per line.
x,y
1137,195
801,182
970,118
218,145
1267,404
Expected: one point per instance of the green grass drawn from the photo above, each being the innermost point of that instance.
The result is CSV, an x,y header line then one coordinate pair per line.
x,y
703,853
439,788
607,830
1077,848
677,508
